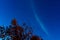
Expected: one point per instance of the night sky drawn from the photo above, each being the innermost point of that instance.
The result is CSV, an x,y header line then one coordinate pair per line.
x,y
42,15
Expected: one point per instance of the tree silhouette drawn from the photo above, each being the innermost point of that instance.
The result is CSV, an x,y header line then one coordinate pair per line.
x,y
17,32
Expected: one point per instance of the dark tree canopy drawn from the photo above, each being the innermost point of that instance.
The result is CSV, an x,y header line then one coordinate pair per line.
x,y
17,32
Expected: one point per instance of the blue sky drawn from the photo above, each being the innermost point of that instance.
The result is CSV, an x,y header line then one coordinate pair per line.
x,y
42,15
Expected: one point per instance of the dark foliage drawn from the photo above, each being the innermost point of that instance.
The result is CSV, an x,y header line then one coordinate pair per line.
x,y
17,32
